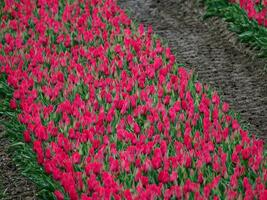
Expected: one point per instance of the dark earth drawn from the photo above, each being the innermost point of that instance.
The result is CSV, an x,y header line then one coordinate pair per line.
x,y
207,47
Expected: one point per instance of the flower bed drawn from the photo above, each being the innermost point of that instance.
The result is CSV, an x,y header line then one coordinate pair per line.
x,y
110,114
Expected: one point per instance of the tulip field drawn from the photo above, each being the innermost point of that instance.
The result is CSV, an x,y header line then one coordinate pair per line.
x,y
98,107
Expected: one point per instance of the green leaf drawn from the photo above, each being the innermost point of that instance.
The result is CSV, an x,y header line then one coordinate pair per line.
x,y
262,40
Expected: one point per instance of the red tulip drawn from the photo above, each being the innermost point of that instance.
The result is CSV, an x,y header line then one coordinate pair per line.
x,y
58,195
27,136
163,177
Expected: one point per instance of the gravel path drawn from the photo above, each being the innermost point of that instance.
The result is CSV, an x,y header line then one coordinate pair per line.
x,y
212,51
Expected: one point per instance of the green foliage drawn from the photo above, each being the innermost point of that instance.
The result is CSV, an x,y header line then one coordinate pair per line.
x,y
248,30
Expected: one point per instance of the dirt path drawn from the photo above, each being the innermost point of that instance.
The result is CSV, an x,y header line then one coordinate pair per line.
x,y
210,49
12,183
